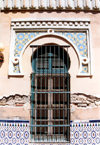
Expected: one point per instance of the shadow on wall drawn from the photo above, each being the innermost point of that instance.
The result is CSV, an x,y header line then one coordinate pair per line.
x,y
1,59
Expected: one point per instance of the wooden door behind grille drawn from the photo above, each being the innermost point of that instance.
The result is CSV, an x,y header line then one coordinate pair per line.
x,y
50,99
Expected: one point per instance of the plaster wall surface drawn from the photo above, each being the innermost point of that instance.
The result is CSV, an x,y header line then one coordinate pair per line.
x,y
21,85
86,84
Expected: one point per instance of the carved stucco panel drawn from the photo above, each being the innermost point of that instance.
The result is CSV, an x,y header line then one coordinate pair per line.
x,y
75,32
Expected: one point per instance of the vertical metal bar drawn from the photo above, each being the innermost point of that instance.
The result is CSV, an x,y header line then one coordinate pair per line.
x,y
63,91
32,105
54,87
45,63
49,95
37,135
69,108
68,100
50,91
47,85
36,93
50,87
51,111
67,93
52,47
59,84
35,107
31,113
41,83
32,99
37,80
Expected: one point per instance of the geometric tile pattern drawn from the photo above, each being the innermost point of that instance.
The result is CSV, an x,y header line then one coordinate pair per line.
x,y
21,39
78,38
84,68
16,132
16,68
87,133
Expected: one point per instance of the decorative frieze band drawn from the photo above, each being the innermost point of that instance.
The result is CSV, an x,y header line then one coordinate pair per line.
x,y
49,5
50,23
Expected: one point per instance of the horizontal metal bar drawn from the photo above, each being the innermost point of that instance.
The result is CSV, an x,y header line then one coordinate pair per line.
x,y
50,46
46,120
51,74
49,108
66,125
50,92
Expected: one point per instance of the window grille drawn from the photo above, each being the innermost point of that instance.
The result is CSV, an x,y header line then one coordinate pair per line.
x,y
50,94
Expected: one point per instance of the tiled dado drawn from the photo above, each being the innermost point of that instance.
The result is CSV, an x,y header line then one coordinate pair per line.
x,y
16,132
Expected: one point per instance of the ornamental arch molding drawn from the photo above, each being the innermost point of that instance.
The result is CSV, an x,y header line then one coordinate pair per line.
x,y
51,39
27,32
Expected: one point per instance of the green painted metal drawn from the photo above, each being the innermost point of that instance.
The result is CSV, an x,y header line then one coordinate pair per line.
x,y
50,90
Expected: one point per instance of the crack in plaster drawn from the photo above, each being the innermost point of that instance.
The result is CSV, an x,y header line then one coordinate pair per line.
x,y
14,100
84,100
77,99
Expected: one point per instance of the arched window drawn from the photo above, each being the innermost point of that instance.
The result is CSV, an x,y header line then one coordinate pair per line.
x,y
50,94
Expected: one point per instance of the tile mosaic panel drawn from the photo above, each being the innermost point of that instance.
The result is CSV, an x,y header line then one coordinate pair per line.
x,y
21,39
78,38
85,133
16,132
84,68
17,68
